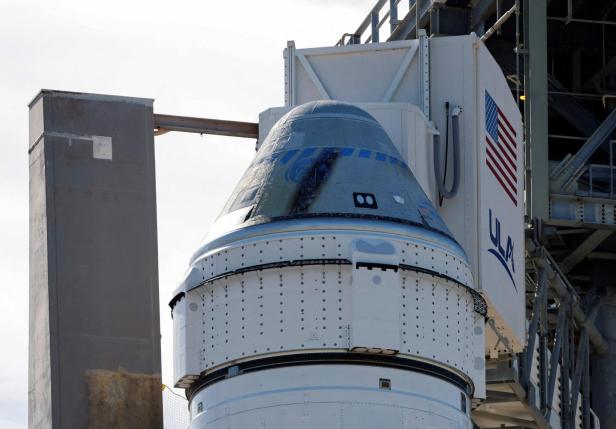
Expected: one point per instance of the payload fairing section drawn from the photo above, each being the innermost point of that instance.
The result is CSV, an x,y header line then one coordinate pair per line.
x,y
330,293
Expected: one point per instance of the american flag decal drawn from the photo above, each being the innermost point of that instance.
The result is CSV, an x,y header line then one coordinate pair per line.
x,y
501,153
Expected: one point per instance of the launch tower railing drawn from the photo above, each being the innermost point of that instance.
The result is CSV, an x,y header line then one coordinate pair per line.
x,y
370,28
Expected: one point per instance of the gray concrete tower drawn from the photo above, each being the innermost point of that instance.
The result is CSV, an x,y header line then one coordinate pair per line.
x,y
94,315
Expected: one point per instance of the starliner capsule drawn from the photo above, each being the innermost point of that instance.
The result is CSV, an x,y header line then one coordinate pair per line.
x,y
329,293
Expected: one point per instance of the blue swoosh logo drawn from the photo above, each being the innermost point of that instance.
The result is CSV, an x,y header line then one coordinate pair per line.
x,y
504,264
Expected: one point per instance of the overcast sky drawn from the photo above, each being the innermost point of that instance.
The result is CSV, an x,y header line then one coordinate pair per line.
x,y
218,59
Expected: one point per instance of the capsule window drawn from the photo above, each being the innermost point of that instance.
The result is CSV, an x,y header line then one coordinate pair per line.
x,y
364,200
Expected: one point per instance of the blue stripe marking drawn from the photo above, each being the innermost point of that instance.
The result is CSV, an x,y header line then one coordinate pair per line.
x,y
287,156
309,151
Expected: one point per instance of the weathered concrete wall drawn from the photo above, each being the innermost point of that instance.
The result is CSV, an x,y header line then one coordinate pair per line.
x,y
39,370
93,254
123,400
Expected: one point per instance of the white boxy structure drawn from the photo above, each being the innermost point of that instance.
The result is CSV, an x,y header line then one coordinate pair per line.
x,y
335,290
405,85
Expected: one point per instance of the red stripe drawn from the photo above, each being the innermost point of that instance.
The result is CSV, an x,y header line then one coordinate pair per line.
x,y
507,191
503,175
511,139
501,115
502,161
512,162
508,146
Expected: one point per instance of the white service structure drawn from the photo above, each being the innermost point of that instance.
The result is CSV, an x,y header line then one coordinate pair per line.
x,y
332,291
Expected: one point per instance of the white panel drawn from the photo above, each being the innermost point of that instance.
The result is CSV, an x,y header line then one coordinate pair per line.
x,y
179,341
457,87
187,322
374,323
264,312
437,320
480,193
358,72
479,360
311,307
501,211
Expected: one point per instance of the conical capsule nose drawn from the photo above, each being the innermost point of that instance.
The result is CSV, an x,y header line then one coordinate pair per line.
x,y
329,159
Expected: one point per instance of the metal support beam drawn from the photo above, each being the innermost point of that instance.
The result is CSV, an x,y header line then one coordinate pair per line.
x,y
564,290
393,15
534,327
402,69
417,17
606,256
607,70
165,123
561,337
536,106
564,103
570,171
498,24
313,76
565,374
580,361
587,246
582,21
543,351
409,24
374,25
581,373
586,391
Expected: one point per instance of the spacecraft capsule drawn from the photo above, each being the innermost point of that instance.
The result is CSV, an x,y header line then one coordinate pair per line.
x,y
329,293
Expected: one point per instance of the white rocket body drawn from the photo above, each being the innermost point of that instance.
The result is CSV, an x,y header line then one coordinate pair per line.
x,y
329,293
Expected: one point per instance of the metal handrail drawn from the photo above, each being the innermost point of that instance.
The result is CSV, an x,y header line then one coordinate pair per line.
x,y
373,22
595,180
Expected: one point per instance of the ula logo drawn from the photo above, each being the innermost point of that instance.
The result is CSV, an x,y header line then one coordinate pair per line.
x,y
504,255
